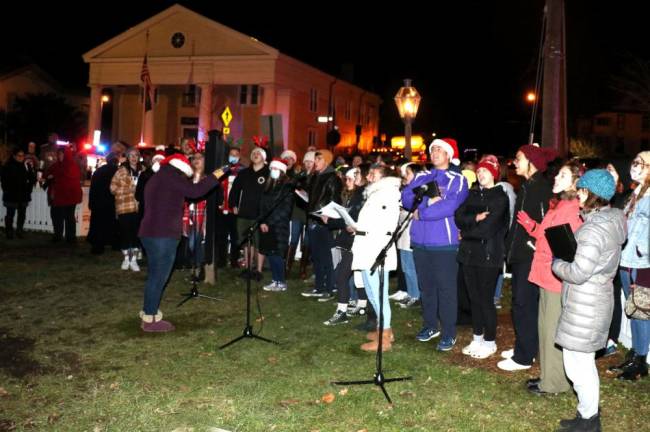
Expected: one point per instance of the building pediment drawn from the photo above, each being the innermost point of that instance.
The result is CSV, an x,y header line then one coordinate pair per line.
x,y
179,32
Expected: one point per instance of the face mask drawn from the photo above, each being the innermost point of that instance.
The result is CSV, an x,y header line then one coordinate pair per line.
x,y
233,159
275,174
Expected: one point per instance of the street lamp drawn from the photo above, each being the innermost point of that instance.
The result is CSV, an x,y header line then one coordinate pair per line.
x,y
407,100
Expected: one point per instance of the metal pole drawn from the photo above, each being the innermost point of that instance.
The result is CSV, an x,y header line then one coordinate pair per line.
x,y
407,138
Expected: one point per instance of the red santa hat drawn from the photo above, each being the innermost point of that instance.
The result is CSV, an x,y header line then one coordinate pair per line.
x,y
280,164
450,146
289,154
180,162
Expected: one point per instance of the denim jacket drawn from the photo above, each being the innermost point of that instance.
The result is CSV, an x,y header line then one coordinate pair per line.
x,y
636,253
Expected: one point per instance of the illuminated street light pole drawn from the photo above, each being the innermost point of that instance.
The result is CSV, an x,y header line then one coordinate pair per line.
x,y
407,100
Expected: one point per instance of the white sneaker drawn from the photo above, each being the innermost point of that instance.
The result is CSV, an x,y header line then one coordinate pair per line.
x,y
471,348
510,365
398,296
139,254
125,263
133,265
280,286
270,287
508,353
484,351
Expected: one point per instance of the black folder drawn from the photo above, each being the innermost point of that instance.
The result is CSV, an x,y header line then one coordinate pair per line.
x,y
562,242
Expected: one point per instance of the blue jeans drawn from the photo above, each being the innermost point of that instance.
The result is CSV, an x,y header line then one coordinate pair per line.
x,y
196,246
161,252
640,328
497,292
296,229
437,270
371,284
277,268
410,275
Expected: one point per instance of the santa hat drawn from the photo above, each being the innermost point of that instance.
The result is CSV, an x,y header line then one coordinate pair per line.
x,y
351,173
310,156
289,154
280,164
450,146
180,162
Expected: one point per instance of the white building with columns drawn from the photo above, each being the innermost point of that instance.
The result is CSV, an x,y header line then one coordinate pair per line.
x,y
199,67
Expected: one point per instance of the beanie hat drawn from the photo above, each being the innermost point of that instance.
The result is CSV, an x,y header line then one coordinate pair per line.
x,y
538,156
490,163
326,155
309,156
289,154
280,164
180,162
450,146
599,182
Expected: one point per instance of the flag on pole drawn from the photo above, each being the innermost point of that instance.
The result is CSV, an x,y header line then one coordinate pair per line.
x,y
148,87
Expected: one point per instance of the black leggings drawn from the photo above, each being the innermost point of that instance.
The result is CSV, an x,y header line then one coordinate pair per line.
x,y
129,224
481,284
342,278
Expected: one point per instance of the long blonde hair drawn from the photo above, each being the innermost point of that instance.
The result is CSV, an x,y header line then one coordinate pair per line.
x,y
645,157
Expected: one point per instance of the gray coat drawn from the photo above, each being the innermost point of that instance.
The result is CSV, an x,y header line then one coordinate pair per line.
x,y
587,298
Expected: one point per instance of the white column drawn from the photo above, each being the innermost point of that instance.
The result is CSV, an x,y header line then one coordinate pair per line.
x,y
94,111
205,111
269,98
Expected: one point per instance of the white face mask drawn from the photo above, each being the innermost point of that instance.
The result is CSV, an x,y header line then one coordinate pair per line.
x,y
275,174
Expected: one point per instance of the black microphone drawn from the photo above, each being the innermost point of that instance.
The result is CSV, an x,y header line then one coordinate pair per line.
x,y
429,189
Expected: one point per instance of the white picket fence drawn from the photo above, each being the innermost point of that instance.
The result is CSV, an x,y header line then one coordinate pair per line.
x,y
38,216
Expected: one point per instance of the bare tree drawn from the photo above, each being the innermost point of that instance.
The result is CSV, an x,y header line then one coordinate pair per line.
x,y
633,85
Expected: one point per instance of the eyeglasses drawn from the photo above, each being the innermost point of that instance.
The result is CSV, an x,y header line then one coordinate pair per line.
x,y
641,164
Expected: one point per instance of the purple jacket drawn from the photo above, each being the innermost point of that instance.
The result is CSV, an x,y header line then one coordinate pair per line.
x,y
164,196
435,226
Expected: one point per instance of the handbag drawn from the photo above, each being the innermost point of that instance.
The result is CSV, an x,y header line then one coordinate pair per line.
x,y
637,305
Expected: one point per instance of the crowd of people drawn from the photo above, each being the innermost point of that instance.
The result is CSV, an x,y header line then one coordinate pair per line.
x,y
465,226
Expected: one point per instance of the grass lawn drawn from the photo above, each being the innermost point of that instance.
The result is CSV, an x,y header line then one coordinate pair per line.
x,y
72,358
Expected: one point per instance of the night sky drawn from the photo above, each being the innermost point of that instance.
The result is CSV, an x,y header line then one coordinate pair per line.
x,y
472,61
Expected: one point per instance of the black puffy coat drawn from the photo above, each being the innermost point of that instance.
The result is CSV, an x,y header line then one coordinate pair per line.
x,y
276,240
482,243
533,198
101,202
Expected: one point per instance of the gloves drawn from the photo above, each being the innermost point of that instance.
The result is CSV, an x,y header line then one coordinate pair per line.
x,y
526,221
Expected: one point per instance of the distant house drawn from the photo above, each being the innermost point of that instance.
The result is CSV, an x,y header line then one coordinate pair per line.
x,y
19,81
617,132
198,67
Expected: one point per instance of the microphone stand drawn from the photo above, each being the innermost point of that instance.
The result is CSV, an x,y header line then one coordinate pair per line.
x,y
378,378
248,241
194,291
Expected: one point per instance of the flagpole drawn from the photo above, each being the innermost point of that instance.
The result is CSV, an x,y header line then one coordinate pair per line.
x,y
144,91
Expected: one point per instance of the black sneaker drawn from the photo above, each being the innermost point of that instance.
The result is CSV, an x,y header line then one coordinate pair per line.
x,y
411,303
325,297
311,293
339,317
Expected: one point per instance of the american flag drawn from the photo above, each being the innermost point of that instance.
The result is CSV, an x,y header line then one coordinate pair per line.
x,y
148,87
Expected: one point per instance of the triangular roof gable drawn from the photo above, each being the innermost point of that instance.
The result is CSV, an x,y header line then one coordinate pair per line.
x,y
203,37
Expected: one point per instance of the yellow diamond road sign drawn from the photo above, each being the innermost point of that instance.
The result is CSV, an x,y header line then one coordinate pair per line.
x,y
226,116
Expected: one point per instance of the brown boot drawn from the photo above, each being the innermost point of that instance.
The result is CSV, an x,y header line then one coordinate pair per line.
x,y
386,342
372,336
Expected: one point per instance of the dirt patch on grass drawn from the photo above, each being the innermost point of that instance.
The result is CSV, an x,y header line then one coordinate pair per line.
x,y
16,356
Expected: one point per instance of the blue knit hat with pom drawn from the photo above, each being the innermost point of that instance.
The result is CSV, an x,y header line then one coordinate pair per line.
x,y
599,182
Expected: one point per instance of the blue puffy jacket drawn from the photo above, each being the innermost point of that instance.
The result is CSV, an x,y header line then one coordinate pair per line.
x,y
435,226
